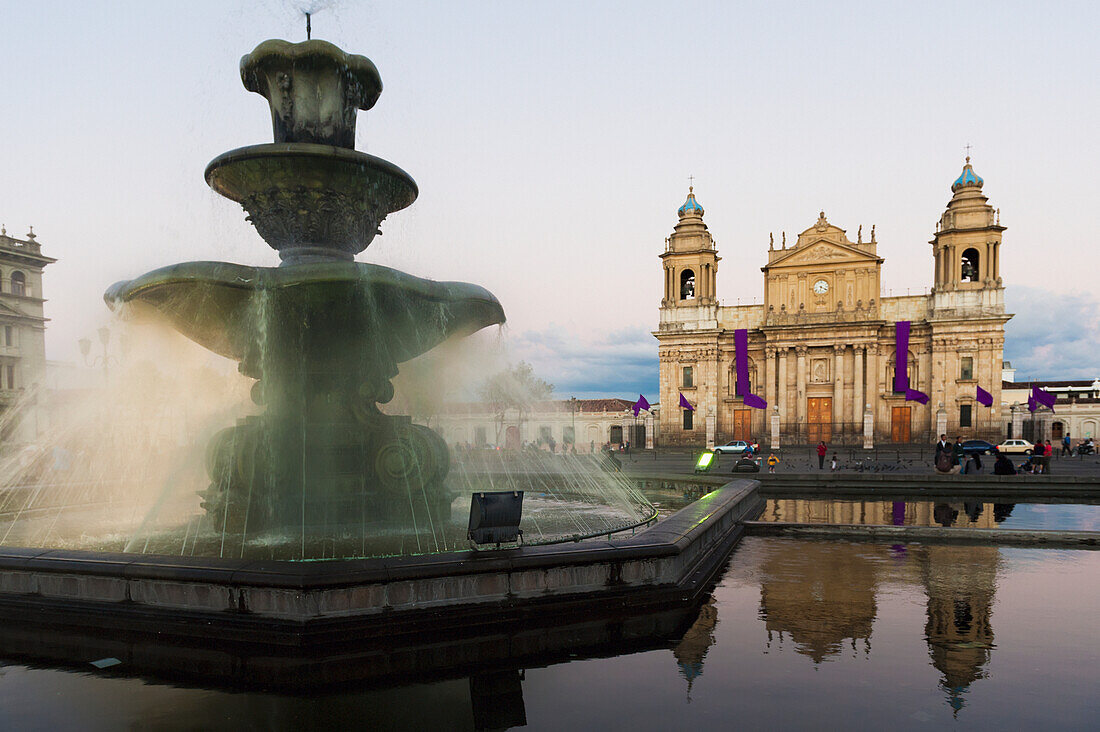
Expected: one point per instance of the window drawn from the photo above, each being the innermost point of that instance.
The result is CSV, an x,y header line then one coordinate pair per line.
x,y
689,419
966,370
567,436
18,283
687,285
544,433
11,377
689,378
9,336
964,415
479,436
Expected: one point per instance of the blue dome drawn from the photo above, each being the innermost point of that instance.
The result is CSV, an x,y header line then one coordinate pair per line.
x,y
691,206
967,178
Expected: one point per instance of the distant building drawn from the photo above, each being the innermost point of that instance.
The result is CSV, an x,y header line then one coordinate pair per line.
x,y
22,335
587,423
1076,410
821,345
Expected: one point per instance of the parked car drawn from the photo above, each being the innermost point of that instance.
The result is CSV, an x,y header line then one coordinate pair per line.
x,y
736,447
978,447
1014,446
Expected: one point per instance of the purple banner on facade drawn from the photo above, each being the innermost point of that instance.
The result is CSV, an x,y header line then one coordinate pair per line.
x,y
641,404
684,403
984,397
912,395
741,359
901,358
751,400
741,366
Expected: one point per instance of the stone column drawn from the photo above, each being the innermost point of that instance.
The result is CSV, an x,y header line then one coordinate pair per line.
x,y
769,376
857,383
800,385
873,389
648,431
781,397
838,385
774,419
711,422
868,429
941,422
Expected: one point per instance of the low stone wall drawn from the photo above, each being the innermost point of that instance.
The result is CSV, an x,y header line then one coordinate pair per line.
x,y
680,552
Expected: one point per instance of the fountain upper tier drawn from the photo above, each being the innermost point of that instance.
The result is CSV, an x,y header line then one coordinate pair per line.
x,y
311,195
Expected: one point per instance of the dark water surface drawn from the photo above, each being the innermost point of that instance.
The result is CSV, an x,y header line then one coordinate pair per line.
x,y
797,634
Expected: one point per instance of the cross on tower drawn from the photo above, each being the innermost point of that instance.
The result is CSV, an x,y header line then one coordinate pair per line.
x,y
968,152
691,182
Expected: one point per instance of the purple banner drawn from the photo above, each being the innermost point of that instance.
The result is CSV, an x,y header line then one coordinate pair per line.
x,y
641,404
1044,397
684,403
984,397
741,365
901,357
741,359
912,395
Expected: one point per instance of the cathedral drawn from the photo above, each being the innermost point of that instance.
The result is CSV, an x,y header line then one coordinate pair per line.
x,y
818,359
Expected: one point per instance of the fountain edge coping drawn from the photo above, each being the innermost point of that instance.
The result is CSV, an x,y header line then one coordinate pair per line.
x,y
668,538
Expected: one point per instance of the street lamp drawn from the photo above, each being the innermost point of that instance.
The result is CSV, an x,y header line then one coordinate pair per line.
x,y
86,350
573,418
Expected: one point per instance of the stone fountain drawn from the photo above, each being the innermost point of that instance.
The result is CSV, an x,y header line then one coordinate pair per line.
x,y
321,333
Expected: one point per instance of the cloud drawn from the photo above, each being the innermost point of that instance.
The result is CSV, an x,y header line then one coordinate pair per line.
x,y
1053,335
621,363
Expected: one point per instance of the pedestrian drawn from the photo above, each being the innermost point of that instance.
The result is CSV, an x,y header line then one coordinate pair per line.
x,y
747,452
772,462
834,464
1002,465
822,448
957,453
591,446
1065,445
941,446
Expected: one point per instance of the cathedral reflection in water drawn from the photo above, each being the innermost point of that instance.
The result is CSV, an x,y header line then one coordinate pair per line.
x,y
822,595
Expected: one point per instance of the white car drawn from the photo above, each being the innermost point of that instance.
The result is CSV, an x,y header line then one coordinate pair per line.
x,y
736,447
1015,446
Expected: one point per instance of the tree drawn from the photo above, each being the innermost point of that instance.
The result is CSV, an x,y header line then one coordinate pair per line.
x,y
516,387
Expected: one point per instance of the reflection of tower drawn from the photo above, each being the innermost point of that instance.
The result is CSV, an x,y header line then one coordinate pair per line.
x,y
821,594
960,582
698,639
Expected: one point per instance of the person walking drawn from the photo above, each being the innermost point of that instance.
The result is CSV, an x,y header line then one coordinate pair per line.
x,y
1065,445
833,465
822,448
772,462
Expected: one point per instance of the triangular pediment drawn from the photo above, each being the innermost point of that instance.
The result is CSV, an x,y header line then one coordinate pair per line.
x,y
823,250
6,309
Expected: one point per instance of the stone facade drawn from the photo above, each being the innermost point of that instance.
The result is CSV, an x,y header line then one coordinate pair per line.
x,y
821,346
22,337
594,422
1076,411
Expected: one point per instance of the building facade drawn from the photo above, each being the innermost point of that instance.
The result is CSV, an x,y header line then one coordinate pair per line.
x,y
22,337
1076,411
821,347
589,424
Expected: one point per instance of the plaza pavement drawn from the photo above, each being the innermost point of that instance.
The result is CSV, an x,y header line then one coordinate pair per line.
x,y
896,460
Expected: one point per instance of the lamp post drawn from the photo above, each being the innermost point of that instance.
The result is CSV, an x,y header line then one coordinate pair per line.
x,y
86,349
573,419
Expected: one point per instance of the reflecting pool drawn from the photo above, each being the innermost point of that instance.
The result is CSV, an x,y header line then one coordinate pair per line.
x,y
797,633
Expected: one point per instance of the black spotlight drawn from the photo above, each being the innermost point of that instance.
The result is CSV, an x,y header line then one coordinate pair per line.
x,y
494,517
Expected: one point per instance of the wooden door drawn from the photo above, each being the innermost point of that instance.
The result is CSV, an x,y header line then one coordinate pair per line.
x,y
742,424
899,424
819,419
1057,430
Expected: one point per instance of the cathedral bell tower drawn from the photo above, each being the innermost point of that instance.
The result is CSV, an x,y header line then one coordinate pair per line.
x,y
690,260
967,249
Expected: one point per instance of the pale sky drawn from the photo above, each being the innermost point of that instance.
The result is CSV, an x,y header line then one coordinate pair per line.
x,y
552,145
